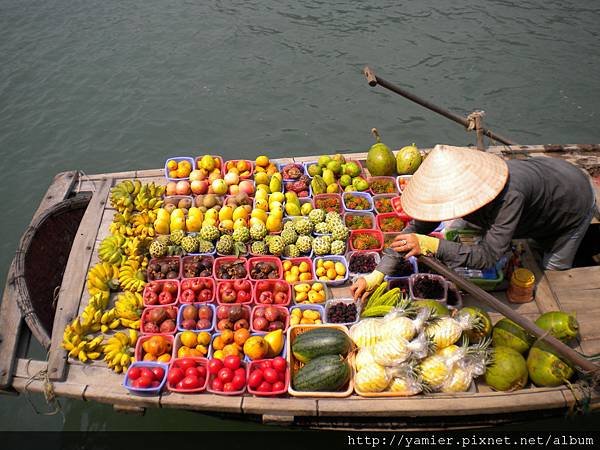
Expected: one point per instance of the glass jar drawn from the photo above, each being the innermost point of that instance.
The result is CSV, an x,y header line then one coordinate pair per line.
x,y
522,285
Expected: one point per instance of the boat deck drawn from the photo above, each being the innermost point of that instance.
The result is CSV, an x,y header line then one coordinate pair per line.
x,y
576,290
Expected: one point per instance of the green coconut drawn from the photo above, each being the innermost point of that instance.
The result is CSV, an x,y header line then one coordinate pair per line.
x,y
508,371
559,324
506,333
408,160
546,367
436,307
483,324
380,159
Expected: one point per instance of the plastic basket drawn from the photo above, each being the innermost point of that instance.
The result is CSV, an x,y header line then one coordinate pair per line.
x,y
413,278
222,164
267,259
233,393
139,350
218,293
286,381
309,190
177,345
282,353
301,259
145,313
397,205
188,258
247,177
365,195
149,390
282,309
378,235
334,258
213,320
295,365
200,361
326,288
311,307
370,215
255,294
351,253
280,166
175,296
302,201
403,217
225,259
164,259
401,181
338,197
247,312
390,180
204,279
378,197
335,301
179,159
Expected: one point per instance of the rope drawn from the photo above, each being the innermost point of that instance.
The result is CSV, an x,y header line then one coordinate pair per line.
x,y
82,175
472,119
49,395
55,296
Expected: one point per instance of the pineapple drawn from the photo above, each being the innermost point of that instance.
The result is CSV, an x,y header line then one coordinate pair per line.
x,y
364,358
396,350
435,370
372,378
447,331
405,380
366,332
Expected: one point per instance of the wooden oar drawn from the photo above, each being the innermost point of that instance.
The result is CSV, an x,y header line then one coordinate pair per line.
x,y
565,351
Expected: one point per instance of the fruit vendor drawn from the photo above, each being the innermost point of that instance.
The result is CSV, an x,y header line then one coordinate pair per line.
x,y
545,199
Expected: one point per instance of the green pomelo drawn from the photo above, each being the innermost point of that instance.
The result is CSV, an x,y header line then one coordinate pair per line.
x,y
408,160
561,325
508,334
380,159
508,372
546,368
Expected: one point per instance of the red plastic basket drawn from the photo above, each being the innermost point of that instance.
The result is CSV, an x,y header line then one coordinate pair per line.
x,y
270,259
200,361
248,177
286,381
145,314
397,205
139,350
218,293
255,293
375,233
402,217
186,258
175,296
205,279
240,392
282,309
318,197
223,259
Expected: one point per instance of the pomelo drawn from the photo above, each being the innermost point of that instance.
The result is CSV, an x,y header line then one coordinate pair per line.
x,y
408,160
380,159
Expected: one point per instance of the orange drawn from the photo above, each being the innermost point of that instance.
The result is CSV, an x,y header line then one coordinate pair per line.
x,y
188,338
240,336
203,338
262,161
231,349
182,172
218,343
172,164
149,357
156,345
164,358
227,336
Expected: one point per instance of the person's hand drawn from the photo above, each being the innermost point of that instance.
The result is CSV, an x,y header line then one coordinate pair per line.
x,y
407,243
359,290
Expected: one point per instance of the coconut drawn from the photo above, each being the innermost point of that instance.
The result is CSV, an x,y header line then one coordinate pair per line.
x,y
436,307
508,334
546,368
508,372
483,324
561,325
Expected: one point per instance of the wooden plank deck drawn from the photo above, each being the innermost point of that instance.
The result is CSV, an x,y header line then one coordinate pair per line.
x,y
94,382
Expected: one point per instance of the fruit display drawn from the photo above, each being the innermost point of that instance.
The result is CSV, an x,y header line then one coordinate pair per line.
x,y
164,268
366,240
309,293
233,317
146,377
191,343
390,223
292,171
263,164
362,262
382,185
383,204
265,268
228,268
359,221
197,290
229,342
228,376
179,168
238,291
243,168
159,320
188,375
357,202
269,318
330,269
161,293
337,311
196,317
330,174
154,348
297,269
197,266
329,203
267,377
270,292
309,315
428,286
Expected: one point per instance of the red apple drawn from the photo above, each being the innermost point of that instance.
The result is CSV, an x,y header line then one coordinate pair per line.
x,y
199,187
204,312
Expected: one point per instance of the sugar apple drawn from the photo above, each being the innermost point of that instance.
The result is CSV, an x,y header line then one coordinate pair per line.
x,y
288,225
332,216
276,245
322,228
225,245
205,246
177,236
289,236
241,234
303,226
209,233
338,247
321,245
259,248
258,231
158,249
340,232
304,244
291,251
316,216
189,244
164,239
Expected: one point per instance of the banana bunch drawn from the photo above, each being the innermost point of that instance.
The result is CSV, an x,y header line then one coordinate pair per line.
x,y
77,339
149,197
136,248
132,276
123,195
86,348
142,225
102,278
112,250
128,308
109,320
121,223
118,351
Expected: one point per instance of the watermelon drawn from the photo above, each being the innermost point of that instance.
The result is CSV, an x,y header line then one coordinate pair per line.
x,y
324,373
320,341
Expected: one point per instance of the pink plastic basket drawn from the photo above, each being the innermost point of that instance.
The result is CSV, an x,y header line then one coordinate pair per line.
x,y
390,180
271,284
224,259
161,282
405,219
145,314
266,259
253,365
218,293
282,309
235,161
164,259
338,197
139,350
233,393
210,281
200,361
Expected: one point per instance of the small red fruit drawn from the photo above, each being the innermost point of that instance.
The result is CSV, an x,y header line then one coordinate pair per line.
x,y
224,324
186,363
175,376
214,365
191,371
190,382
186,284
225,375
265,387
229,387
205,295
188,296
134,373
270,375
281,298
197,285
170,286
244,297
155,287
255,378
279,364
158,372
242,323
232,362
260,323
165,298
216,385
238,382
144,381
278,386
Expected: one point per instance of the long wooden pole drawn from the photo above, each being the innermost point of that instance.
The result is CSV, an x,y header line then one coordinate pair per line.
x,y
374,80
481,295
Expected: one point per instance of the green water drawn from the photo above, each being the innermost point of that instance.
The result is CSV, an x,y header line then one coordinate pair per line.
x,y
112,86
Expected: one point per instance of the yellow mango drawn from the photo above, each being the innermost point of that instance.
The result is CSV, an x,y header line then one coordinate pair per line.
x,y
303,287
306,276
304,267
240,213
273,223
340,268
331,274
226,213
239,223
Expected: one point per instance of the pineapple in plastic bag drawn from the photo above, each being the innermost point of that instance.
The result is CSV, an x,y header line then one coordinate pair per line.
x,y
396,350
447,330
366,332
405,380
372,378
471,366
364,358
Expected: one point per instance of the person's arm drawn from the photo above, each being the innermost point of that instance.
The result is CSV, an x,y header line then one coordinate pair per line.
x,y
419,227
495,243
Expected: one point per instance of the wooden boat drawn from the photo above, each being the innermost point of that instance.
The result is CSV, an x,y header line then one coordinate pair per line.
x,y
45,289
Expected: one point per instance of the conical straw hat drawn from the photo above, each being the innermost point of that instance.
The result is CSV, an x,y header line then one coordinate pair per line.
x,y
453,182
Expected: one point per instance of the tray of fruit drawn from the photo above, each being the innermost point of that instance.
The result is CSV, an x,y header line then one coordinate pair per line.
x,y
383,203
154,348
382,185
229,268
268,292
291,171
178,168
310,293
197,318
301,187
392,222
188,375
331,270
239,291
269,318
366,240
297,269
306,314
161,292
197,266
197,290
233,317
165,268
227,376
268,377
362,262
145,377
342,311
329,202
159,320
357,201
402,182
359,220
244,168
208,165
265,268
191,343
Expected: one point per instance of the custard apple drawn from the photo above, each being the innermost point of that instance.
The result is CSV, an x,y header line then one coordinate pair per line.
x,y
164,239
289,224
259,248
177,236
304,244
289,236
338,247
158,249
322,228
321,245
189,244
205,246
316,216
209,233
291,251
225,245
340,232
276,245
333,216
303,226
258,231
241,234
